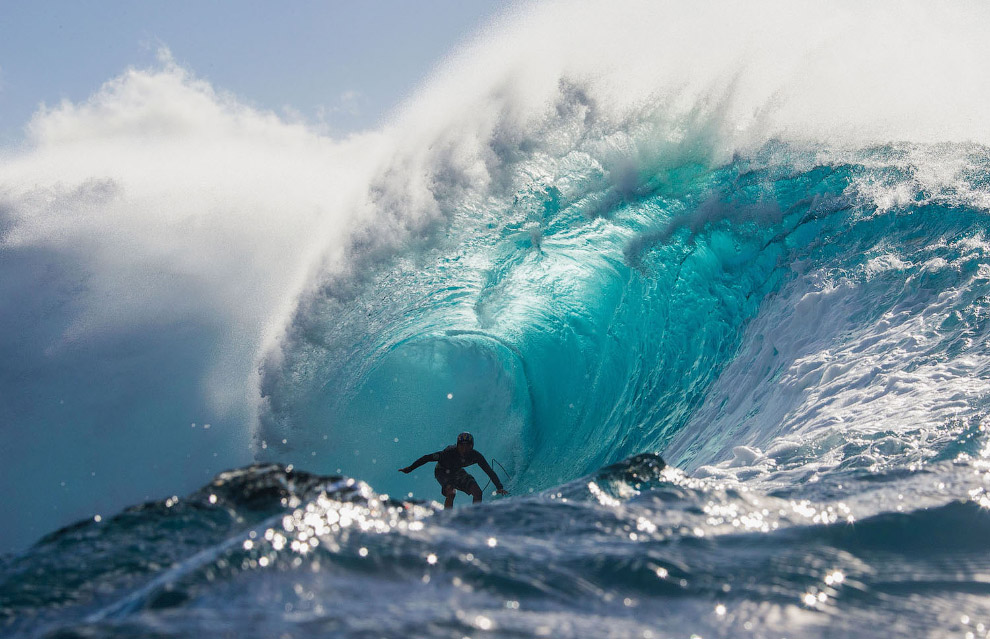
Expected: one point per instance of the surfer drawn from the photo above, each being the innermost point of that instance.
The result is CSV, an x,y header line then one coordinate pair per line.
x,y
450,470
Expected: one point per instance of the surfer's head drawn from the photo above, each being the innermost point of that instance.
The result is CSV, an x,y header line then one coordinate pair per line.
x,y
465,442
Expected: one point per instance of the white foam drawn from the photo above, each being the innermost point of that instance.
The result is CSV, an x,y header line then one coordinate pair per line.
x,y
182,204
811,367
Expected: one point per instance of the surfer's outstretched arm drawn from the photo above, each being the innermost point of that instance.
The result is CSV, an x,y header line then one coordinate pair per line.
x,y
499,489
422,460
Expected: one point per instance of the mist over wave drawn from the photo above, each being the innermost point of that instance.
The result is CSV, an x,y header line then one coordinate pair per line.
x,y
154,238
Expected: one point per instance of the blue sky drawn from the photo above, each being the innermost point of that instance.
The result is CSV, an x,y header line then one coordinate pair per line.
x,y
342,64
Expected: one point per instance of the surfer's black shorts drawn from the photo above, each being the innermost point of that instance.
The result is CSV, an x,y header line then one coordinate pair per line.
x,y
459,479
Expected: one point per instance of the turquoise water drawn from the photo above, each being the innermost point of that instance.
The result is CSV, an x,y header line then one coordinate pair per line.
x,y
704,309
726,335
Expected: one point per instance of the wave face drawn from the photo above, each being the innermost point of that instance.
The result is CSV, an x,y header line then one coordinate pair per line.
x,y
757,250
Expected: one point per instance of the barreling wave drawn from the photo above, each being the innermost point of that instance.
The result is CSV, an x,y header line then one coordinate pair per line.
x,y
698,309
647,245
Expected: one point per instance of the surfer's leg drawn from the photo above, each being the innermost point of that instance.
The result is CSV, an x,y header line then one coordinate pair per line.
x,y
448,492
448,485
468,484
460,480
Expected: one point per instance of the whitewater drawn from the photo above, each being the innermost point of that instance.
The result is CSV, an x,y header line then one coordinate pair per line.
x,y
710,281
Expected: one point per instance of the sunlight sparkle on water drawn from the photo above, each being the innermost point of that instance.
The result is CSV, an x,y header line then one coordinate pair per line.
x,y
834,578
328,522
483,622
601,496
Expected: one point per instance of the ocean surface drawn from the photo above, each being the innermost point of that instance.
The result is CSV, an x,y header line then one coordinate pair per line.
x,y
711,285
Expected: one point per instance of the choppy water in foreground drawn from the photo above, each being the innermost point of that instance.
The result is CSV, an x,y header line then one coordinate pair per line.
x,y
634,550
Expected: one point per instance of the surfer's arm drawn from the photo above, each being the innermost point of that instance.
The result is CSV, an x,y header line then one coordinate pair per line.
x,y
480,460
425,459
